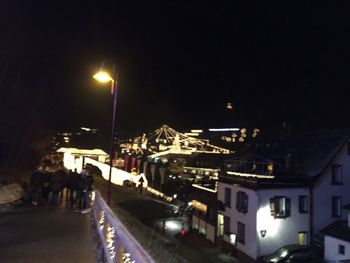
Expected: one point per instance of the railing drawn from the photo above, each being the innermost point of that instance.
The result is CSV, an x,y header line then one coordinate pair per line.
x,y
117,244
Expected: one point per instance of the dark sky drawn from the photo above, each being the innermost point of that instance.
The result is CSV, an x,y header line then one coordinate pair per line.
x,y
179,62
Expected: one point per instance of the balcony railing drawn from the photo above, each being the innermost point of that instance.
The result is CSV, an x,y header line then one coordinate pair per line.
x,y
117,244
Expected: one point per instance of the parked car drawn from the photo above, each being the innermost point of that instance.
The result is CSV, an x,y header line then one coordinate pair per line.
x,y
293,254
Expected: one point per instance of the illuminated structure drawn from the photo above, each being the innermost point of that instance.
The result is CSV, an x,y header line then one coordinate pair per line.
x,y
73,159
166,140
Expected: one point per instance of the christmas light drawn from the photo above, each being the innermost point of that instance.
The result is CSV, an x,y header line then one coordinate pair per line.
x,y
101,220
251,175
110,240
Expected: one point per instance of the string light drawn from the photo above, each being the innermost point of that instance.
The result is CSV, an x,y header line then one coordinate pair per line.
x,y
126,258
110,240
251,175
101,220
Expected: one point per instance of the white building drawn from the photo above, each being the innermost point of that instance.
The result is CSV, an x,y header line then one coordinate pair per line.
x,y
262,213
337,240
321,163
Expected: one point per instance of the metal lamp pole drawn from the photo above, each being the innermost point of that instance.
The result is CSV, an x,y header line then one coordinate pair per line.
x,y
104,77
111,154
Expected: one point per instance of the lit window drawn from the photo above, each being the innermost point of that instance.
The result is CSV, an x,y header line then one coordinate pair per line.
x,y
336,206
242,202
280,206
341,249
337,174
270,168
303,204
227,202
240,232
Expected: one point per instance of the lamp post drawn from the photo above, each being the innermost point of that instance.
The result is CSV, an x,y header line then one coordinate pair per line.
x,y
103,76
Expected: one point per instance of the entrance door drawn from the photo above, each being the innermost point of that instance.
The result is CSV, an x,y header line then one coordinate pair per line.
x,y
302,238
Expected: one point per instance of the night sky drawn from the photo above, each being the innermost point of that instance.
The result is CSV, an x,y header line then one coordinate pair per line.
x,y
179,63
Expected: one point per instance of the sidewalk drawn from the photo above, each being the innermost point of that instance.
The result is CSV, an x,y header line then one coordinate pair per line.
x,y
44,234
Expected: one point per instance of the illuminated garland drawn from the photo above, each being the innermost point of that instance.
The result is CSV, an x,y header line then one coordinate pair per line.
x,y
251,175
110,237
101,220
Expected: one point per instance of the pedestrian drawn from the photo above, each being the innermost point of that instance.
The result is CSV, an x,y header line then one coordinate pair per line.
x,y
68,185
81,191
57,182
45,184
35,185
86,186
74,181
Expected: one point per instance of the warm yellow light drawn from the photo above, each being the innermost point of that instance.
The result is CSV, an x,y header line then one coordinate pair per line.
x,y
102,76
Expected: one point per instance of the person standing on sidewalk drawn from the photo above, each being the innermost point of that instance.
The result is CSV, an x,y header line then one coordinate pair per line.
x,y
56,185
87,188
35,185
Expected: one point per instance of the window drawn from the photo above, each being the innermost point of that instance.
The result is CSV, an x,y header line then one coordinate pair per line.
x,y
302,238
242,202
240,232
227,227
220,225
341,249
270,168
337,173
280,207
227,202
303,204
336,206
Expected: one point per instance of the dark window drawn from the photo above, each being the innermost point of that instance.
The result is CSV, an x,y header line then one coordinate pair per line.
x,y
240,232
242,202
280,207
227,227
227,202
336,206
341,249
303,204
337,174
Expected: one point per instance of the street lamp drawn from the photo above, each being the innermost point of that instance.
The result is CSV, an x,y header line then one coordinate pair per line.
x,y
104,76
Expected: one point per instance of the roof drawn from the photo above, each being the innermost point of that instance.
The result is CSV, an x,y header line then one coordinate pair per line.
x,y
267,182
205,197
82,151
338,229
306,154
206,160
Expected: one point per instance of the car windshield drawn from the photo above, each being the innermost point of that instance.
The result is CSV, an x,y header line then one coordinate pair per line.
x,y
278,254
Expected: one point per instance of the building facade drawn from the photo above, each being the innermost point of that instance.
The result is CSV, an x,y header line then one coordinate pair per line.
x,y
260,215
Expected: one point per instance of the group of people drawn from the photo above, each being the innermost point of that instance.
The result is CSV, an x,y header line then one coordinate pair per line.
x,y
49,187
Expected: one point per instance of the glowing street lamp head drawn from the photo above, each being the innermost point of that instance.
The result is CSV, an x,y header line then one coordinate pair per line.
x,y
103,76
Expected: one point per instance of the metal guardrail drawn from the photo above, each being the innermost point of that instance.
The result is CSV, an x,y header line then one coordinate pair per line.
x,y
118,245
